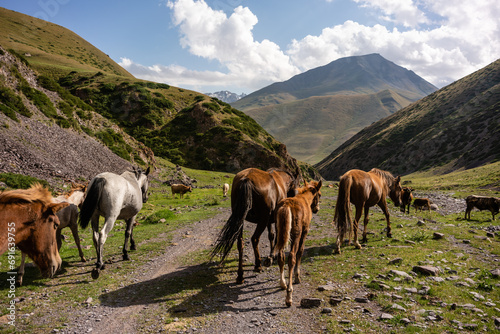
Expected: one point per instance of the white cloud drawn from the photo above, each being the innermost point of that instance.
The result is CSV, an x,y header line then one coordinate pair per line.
x,y
404,12
457,40
212,34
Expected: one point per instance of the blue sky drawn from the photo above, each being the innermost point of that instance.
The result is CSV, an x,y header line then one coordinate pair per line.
x,y
244,45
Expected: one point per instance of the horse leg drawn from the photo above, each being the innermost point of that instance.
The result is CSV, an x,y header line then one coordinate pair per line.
x,y
292,259
20,273
359,210
255,244
239,279
128,234
365,225
59,239
385,210
272,241
340,241
74,230
300,252
281,265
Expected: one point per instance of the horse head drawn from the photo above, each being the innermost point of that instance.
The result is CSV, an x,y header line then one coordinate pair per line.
x,y
314,187
41,245
396,191
142,178
293,182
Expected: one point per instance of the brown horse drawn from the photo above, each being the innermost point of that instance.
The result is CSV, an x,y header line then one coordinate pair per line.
x,y
364,190
254,196
28,220
293,216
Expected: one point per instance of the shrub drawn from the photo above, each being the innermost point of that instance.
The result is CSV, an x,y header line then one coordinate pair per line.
x,y
9,112
18,181
40,100
13,101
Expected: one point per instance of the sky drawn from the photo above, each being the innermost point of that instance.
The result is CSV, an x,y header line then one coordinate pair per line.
x,y
245,45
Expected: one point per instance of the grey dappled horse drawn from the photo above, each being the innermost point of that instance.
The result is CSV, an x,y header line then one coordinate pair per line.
x,y
114,197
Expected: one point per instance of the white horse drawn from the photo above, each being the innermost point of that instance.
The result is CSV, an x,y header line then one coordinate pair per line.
x,y
113,197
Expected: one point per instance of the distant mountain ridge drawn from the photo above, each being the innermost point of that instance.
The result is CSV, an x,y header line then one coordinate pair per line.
x,y
227,96
456,127
316,111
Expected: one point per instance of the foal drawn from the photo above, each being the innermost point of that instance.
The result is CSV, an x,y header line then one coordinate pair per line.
x,y
293,216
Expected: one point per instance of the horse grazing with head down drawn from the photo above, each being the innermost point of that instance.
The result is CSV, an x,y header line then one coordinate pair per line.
x,y
254,196
293,216
113,197
28,220
364,190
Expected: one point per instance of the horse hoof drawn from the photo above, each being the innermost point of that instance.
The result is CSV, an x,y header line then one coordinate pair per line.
x,y
240,280
126,257
84,259
268,262
132,247
95,273
258,269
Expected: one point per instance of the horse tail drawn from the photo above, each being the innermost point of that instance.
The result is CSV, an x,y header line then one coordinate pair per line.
x,y
234,225
283,226
342,211
91,201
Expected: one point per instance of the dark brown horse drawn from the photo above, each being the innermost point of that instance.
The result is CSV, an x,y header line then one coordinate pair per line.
x,y
364,190
254,196
293,216
28,220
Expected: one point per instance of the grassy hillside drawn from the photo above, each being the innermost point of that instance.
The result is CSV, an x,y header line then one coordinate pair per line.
x,y
454,128
312,128
51,49
183,126
316,111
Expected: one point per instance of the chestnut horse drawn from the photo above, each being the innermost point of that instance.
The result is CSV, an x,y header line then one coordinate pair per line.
x,y
293,216
364,190
254,196
28,220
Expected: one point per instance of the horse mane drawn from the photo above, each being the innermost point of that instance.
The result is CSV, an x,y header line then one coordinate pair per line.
x,y
37,193
295,178
387,176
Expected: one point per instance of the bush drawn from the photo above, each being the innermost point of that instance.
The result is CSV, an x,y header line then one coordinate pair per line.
x,y
13,101
19,181
40,100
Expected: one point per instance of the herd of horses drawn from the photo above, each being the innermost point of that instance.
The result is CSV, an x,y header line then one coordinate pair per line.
x,y
32,219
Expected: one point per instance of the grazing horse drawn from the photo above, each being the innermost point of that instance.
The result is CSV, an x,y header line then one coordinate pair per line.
x,y
225,189
293,216
482,203
364,190
113,197
254,196
28,220
406,198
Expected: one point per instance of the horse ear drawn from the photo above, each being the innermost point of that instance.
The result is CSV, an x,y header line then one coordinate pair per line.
x,y
319,184
398,179
148,170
